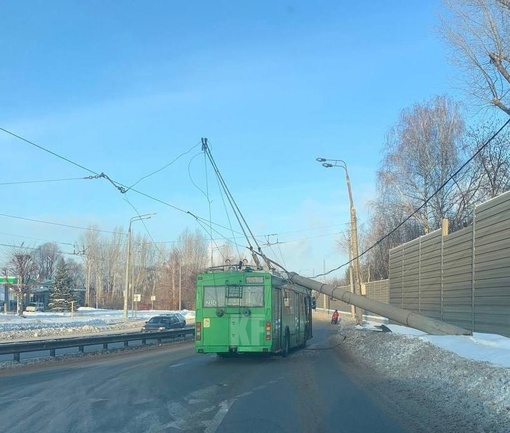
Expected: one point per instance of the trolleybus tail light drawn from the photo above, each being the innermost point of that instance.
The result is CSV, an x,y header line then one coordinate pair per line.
x,y
198,331
268,330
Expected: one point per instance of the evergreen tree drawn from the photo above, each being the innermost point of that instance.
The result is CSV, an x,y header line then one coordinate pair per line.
x,y
60,293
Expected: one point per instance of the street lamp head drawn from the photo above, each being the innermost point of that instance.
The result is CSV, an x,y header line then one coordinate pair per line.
x,y
320,159
142,217
327,165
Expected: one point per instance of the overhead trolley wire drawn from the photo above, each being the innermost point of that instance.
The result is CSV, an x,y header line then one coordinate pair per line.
x,y
56,224
45,181
122,188
46,150
165,166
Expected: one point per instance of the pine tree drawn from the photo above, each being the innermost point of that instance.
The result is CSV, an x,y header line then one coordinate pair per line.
x,y
60,293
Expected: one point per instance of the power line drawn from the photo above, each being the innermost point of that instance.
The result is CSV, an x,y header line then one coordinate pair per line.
x,y
423,204
36,239
45,181
121,188
57,224
124,189
165,166
34,248
46,150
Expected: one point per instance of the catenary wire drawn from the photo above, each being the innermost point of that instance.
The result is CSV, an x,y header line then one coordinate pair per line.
x,y
123,189
165,166
46,150
44,181
56,224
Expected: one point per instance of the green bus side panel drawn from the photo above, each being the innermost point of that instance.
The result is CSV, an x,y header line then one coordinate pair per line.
x,y
276,300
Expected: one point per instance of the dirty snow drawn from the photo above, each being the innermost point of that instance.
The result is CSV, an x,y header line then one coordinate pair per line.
x,y
82,322
465,380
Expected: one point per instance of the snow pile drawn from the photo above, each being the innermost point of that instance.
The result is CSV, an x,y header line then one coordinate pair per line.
x,y
465,395
83,322
41,330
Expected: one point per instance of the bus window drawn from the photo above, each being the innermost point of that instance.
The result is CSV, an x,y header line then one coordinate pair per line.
x,y
253,296
245,296
214,296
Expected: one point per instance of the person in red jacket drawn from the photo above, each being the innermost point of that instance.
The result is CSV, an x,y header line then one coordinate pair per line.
x,y
334,318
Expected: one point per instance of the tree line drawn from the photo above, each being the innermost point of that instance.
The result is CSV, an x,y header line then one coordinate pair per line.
x,y
163,277
431,141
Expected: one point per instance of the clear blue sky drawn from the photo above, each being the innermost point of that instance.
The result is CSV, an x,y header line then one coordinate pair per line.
x,y
125,87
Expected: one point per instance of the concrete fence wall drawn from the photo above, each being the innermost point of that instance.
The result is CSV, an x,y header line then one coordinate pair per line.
x,y
461,278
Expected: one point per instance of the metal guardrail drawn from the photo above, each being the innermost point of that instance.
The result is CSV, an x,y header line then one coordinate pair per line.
x,y
18,348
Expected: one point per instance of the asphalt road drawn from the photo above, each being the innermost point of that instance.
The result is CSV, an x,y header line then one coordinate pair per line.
x,y
172,389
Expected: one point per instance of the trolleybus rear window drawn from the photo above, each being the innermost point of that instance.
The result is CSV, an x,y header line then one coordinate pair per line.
x,y
233,296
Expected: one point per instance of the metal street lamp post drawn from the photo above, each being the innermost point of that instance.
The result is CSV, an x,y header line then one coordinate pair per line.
x,y
128,259
180,286
354,229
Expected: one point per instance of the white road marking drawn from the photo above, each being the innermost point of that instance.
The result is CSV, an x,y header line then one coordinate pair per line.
x,y
213,425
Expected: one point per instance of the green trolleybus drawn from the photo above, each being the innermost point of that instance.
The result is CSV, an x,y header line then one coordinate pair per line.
x,y
240,310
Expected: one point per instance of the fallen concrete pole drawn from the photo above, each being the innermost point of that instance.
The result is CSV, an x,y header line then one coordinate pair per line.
x,y
399,315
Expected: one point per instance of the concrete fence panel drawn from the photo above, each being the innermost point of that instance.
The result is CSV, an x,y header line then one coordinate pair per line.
x,y
462,278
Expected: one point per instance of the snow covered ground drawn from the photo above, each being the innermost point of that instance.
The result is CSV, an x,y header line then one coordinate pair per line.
x,y
84,321
466,377
463,380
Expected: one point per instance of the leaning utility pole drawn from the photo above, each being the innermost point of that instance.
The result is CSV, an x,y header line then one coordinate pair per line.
x,y
399,315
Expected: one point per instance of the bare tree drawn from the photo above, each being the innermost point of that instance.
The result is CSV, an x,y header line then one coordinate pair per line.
x,y
22,265
7,288
144,267
489,172
76,274
225,252
187,257
421,153
89,244
193,253
382,237
109,270
45,257
479,33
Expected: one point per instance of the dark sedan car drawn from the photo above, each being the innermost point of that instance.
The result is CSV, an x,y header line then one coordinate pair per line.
x,y
167,321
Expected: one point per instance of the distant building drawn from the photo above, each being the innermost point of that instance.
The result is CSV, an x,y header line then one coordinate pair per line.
x,y
40,292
